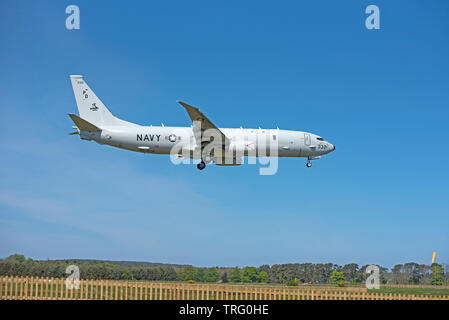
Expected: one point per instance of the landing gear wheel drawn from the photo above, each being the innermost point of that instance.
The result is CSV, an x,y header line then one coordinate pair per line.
x,y
201,165
308,164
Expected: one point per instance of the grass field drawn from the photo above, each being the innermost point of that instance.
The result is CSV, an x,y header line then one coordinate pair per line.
x,y
411,290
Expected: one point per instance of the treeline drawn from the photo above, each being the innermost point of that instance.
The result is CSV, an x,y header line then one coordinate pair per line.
x,y
120,263
310,273
289,274
17,265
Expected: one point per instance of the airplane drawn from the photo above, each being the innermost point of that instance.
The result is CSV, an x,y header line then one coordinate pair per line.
x,y
224,146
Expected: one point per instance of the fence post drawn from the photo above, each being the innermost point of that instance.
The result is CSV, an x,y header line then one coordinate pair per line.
x,y
34,293
19,291
16,287
73,289
20,288
39,288
173,288
182,293
140,284
110,289
168,291
56,282
46,288
16,284
50,282
58,289
82,289
23,281
26,288
6,281
66,291
30,292
91,289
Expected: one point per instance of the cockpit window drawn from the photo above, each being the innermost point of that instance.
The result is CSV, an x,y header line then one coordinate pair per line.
x,y
320,139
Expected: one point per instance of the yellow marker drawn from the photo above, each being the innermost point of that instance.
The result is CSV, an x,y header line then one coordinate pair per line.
x,y
433,257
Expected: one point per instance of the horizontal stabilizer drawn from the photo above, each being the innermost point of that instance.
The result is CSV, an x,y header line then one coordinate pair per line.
x,y
83,124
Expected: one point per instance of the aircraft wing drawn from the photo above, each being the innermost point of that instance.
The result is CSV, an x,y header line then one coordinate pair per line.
x,y
198,118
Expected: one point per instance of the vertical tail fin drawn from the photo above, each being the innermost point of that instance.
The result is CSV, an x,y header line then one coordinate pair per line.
x,y
89,105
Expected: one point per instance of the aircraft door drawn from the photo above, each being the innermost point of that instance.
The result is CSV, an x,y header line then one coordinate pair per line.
x,y
307,139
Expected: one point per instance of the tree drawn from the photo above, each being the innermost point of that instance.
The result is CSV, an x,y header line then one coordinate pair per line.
x,y
20,258
437,275
224,277
211,275
265,268
199,275
250,275
294,282
350,272
263,276
396,274
235,275
186,273
327,270
412,271
446,273
337,278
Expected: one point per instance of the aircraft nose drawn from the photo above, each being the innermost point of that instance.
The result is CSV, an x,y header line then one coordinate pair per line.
x,y
333,148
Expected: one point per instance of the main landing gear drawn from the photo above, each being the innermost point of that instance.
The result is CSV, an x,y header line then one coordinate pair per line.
x,y
201,165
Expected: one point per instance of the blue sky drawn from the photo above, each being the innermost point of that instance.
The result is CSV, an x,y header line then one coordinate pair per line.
x,y
381,96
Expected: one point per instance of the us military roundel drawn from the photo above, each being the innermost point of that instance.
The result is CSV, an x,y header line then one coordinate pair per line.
x,y
172,138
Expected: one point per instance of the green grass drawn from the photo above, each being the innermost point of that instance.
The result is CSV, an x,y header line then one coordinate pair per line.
x,y
415,291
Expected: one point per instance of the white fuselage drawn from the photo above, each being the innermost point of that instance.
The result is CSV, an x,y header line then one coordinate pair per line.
x,y
161,140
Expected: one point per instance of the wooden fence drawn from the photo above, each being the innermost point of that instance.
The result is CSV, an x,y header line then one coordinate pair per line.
x,y
29,288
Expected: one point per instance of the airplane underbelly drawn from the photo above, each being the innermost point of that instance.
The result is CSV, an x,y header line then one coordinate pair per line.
x,y
290,149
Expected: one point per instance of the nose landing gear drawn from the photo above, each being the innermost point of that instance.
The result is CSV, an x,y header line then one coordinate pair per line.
x,y
201,165
309,164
